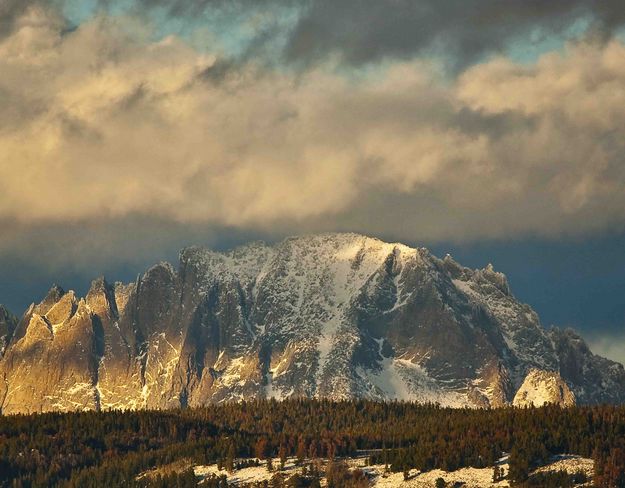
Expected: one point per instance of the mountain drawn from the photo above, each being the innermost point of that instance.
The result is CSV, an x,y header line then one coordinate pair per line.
x,y
333,315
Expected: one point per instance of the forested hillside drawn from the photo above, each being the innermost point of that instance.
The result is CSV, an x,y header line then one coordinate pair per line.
x,y
112,448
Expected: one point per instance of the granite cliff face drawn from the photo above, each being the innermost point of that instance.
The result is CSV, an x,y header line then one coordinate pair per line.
x,y
543,387
334,315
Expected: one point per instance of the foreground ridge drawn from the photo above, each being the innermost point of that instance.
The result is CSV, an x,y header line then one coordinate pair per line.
x,y
333,315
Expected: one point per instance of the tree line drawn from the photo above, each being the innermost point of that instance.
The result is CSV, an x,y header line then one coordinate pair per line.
x,y
113,448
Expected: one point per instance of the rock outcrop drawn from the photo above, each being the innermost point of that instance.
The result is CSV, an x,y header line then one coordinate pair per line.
x,y
542,388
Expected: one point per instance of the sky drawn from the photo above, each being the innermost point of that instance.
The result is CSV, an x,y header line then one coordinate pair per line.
x,y
493,130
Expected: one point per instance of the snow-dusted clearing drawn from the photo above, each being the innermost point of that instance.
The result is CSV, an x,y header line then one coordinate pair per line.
x,y
471,477
379,477
570,463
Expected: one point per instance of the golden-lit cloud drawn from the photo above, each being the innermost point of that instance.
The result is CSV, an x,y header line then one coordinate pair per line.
x,y
102,122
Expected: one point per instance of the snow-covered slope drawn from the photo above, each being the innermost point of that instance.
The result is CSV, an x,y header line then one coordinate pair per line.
x,y
332,315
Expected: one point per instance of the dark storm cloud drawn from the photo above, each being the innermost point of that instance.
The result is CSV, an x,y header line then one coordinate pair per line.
x,y
362,31
368,30
9,11
74,253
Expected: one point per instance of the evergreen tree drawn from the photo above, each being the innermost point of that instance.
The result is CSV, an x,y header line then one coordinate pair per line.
x,y
518,465
262,448
301,450
229,464
282,454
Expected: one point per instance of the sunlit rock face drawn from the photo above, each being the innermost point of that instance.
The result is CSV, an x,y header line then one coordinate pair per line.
x,y
542,388
333,315
50,362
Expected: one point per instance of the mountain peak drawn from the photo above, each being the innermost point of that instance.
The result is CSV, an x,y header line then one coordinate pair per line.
x,y
53,296
101,297
99,283
495,278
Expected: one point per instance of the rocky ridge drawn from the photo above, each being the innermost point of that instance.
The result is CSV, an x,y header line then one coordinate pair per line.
x,y
332,315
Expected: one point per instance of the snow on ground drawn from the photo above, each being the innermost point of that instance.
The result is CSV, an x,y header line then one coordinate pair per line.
x,y
569,463
249,474
240,476
470,477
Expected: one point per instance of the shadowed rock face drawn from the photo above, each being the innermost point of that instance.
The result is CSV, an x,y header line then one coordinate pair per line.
x,y
335,315
8,322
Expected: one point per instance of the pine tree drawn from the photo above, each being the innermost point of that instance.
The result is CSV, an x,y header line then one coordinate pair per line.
x,y
301,450
498,474
282,454
230,458
518,465
261,448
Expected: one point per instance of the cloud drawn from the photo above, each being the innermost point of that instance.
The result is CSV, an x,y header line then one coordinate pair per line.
x,y
357,32
102,123
609,345
364,31
72,254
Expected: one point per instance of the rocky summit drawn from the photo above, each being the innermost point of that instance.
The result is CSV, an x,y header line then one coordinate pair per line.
x,y
334,316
